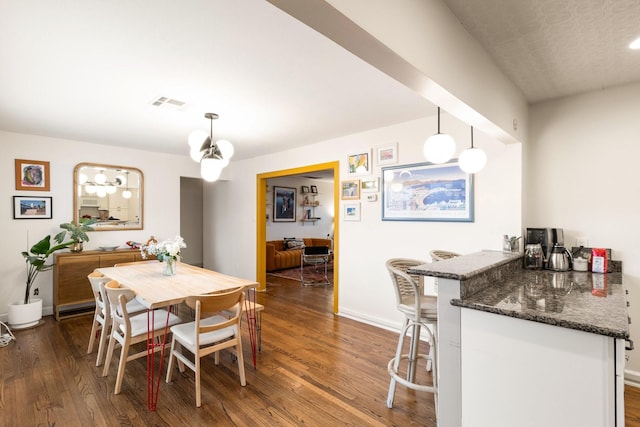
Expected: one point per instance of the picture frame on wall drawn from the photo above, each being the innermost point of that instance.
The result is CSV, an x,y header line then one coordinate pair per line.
x,y
359,164
369,185
350,189
305,189
387,154
32,175
32,207
427,192
314,189
351,211
284,204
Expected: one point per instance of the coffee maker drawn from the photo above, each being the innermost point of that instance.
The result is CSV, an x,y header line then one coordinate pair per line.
x,y
546,237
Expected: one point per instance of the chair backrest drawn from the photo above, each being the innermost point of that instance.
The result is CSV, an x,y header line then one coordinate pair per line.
x,y
229,301
439,255
118,298
96,279
316,250
408,287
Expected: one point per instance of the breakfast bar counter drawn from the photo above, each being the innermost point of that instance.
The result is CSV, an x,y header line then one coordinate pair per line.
x,y
510,338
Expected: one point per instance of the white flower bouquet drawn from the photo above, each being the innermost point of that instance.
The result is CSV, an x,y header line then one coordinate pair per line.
x,y
166,250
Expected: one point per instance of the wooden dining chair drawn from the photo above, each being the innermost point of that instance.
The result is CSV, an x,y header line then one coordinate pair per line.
x,y
102,315
127,330
208,335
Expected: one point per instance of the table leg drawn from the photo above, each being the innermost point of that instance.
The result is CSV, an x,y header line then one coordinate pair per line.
x,y
153,386
250,309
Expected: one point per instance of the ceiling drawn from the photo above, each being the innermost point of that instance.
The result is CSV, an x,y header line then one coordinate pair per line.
x,y
554,48
91,70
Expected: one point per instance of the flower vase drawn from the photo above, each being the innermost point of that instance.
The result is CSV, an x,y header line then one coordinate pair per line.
x,y
169,266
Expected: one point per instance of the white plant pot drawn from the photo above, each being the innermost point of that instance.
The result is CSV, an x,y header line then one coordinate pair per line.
x,y
25,315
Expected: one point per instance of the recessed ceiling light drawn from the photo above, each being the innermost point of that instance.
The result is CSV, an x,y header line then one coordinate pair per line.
x,y
635,44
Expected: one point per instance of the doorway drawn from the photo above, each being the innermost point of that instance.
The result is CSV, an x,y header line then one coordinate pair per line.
x,y
261,220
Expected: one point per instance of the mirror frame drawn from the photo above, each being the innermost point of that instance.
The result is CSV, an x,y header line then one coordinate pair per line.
x,y
76,197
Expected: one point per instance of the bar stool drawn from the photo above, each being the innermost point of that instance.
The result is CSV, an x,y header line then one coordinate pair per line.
x,y
418,310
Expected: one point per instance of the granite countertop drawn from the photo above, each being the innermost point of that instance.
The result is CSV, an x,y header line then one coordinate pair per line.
x,y
496,283
466,266
590,302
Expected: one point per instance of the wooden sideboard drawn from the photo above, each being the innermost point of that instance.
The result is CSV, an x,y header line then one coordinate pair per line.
x,y
72,295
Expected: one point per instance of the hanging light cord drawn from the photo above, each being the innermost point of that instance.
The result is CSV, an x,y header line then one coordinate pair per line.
x,y
438,119
471,136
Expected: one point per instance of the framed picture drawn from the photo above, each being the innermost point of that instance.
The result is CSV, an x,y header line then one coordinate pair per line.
x,y
284,204
359,164
305,188
351,211
27,207
351,189
369,185
387,154
314,189
427,192
32,175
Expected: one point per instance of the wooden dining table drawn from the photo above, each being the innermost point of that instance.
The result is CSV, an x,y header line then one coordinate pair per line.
x,y
155,290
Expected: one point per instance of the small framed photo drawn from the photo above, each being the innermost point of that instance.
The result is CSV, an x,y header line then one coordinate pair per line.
x,y
32,175
305,188
359,164
314,189
369,185
387,154
284,204
351,189
27,207
351,212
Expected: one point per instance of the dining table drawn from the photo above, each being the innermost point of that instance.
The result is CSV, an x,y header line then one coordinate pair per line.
x,y
155,290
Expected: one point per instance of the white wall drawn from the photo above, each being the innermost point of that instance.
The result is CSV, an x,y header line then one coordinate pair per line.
x,y
581,176
161,208
364,286
299,229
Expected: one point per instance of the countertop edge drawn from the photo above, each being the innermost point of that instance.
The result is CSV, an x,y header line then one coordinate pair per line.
x,y
614,333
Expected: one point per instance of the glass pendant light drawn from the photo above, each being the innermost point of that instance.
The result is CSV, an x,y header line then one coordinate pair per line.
x,y
472,159
213,157
440,147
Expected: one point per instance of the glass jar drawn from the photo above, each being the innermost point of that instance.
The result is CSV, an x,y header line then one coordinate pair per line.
x,y
533,256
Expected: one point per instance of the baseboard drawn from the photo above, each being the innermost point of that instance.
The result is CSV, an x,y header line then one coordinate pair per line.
x,y
632,378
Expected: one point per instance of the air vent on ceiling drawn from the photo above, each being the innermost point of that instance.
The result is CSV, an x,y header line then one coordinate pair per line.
x,y
166,102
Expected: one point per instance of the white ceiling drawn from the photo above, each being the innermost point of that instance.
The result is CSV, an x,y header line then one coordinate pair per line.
x,y
554,48
89,70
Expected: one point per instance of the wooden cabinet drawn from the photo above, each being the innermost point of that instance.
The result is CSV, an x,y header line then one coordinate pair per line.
x,y
72,293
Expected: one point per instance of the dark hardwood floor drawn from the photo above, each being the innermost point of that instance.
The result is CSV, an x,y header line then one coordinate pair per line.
x,y
315,369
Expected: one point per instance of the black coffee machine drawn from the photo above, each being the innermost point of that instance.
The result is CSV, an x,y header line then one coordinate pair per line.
x,y
547,237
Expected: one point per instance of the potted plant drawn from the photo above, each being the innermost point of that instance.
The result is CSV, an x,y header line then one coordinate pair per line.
x,y
77,232
26,313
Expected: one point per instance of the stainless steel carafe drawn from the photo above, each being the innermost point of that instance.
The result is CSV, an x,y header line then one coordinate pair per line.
x,y
559,259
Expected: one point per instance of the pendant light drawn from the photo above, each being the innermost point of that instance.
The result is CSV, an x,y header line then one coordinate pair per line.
x,y
472,159
213,156
439,148
126,194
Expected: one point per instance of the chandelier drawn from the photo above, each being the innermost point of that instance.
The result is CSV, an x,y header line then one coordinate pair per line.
x,y
213,156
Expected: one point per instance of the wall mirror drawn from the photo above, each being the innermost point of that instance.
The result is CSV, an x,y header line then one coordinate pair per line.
x,y
111,194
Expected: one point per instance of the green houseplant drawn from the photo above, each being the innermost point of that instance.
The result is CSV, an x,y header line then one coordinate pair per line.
x,y
27,313
36,259
77,232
